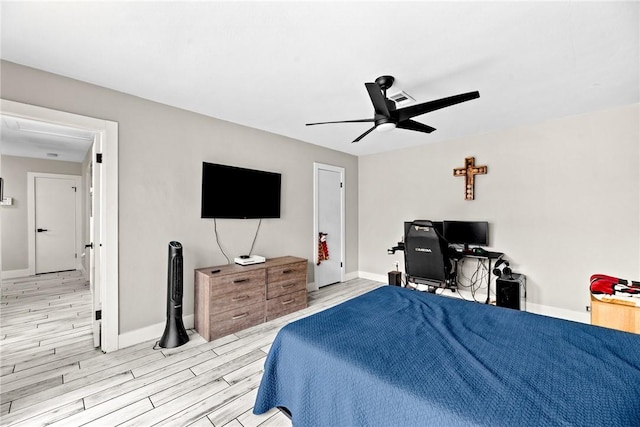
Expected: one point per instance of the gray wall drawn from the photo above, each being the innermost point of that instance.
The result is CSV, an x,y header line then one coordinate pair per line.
x,y
14,218
161,149
562,199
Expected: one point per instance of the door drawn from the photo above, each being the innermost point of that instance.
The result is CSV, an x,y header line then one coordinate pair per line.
x,y
95,239
56,221
329,198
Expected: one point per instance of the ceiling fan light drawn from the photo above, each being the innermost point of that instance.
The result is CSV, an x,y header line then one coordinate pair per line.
x,y
385,127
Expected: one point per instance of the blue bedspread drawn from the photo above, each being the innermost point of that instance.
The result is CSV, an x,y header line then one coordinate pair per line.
x,y
396,357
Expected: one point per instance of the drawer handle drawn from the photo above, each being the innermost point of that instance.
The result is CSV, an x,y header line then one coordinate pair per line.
x,y
287,271
241,280
240,298
239,316
288,285
288,301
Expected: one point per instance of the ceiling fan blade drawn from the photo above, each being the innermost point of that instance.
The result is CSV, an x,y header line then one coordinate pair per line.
x,y
378,99
427,107
363,135
342,121
413,125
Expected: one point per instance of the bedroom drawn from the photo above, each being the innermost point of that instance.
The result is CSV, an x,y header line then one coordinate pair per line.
x,y
562,194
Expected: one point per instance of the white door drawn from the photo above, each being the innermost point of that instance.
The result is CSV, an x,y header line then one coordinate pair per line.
x,y
56,224
94,245
329,190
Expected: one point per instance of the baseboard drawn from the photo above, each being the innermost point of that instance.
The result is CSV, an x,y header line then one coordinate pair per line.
x,y
351,276
12,274
375,277
545,310
148,333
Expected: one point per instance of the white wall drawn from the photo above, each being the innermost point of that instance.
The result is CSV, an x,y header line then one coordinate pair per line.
x,y
562,199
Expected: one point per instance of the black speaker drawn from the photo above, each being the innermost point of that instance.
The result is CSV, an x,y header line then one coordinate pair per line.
x,y
174,333
511,291
395,278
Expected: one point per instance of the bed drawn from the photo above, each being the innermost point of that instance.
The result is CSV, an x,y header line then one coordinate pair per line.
x,y
395,357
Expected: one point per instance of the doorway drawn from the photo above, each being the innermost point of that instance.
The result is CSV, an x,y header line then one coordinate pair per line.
x,y
329,224
105,229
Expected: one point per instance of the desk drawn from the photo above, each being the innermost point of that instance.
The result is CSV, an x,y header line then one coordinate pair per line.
x,y
456,256
485,255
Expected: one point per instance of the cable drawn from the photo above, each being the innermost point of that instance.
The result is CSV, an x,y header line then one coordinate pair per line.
x,y
474,283
255,237
215,230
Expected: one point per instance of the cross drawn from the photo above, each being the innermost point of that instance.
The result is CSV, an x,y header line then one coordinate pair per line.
x,y
469,171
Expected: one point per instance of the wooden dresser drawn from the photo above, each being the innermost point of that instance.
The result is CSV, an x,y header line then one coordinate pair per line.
x,y
236,297
616,314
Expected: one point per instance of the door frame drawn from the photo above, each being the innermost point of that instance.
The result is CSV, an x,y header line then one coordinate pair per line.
x,y
108,131
316,203
31,216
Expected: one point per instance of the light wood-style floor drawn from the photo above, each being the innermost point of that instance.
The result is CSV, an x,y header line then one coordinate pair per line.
x,y
51,374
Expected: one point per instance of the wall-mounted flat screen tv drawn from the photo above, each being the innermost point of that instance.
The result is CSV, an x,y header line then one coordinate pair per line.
x,y
234,192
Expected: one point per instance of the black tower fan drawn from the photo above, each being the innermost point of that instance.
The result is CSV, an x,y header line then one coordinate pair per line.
x,y
174,333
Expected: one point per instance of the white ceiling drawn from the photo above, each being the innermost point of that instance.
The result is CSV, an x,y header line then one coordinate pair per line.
x,y
278,65
28,138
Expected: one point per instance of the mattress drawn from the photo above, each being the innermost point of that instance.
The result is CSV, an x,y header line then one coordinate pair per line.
x,y
394,356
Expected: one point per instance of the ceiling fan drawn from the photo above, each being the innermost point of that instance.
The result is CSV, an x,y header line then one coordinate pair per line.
x,y
387,117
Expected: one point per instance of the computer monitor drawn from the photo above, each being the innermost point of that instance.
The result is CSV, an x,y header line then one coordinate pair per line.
x,y
466,232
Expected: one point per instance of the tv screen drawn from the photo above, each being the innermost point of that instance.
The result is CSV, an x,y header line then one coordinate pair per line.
x,y
233,192
467,232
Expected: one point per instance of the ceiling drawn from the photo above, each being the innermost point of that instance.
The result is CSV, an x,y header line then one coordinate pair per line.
x,y
28,138
278,65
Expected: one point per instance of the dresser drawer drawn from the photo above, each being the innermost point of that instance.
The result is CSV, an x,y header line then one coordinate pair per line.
x,y
239,296
231,283
294,270
286,304
286,279
236,319
285,287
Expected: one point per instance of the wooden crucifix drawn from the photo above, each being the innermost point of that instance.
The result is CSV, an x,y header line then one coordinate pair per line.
x,y
469,171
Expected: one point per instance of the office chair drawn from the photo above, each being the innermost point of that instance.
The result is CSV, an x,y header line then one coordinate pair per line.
x,y
426,256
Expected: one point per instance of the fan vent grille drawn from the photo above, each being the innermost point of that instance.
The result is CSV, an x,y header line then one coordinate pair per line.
x,y
402,98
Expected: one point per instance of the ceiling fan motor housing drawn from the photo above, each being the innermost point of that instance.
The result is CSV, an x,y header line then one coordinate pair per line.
x,y
385,82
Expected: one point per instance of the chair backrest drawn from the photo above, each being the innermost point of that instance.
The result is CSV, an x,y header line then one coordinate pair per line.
x,y
425,254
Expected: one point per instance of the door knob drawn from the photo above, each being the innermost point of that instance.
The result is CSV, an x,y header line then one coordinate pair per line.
x,y
90,245
40,230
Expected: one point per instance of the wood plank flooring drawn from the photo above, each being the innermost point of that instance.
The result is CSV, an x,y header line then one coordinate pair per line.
x,y
52,375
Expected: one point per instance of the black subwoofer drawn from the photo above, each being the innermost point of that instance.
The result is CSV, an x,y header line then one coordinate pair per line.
x,y
511,291
395,278
174,333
